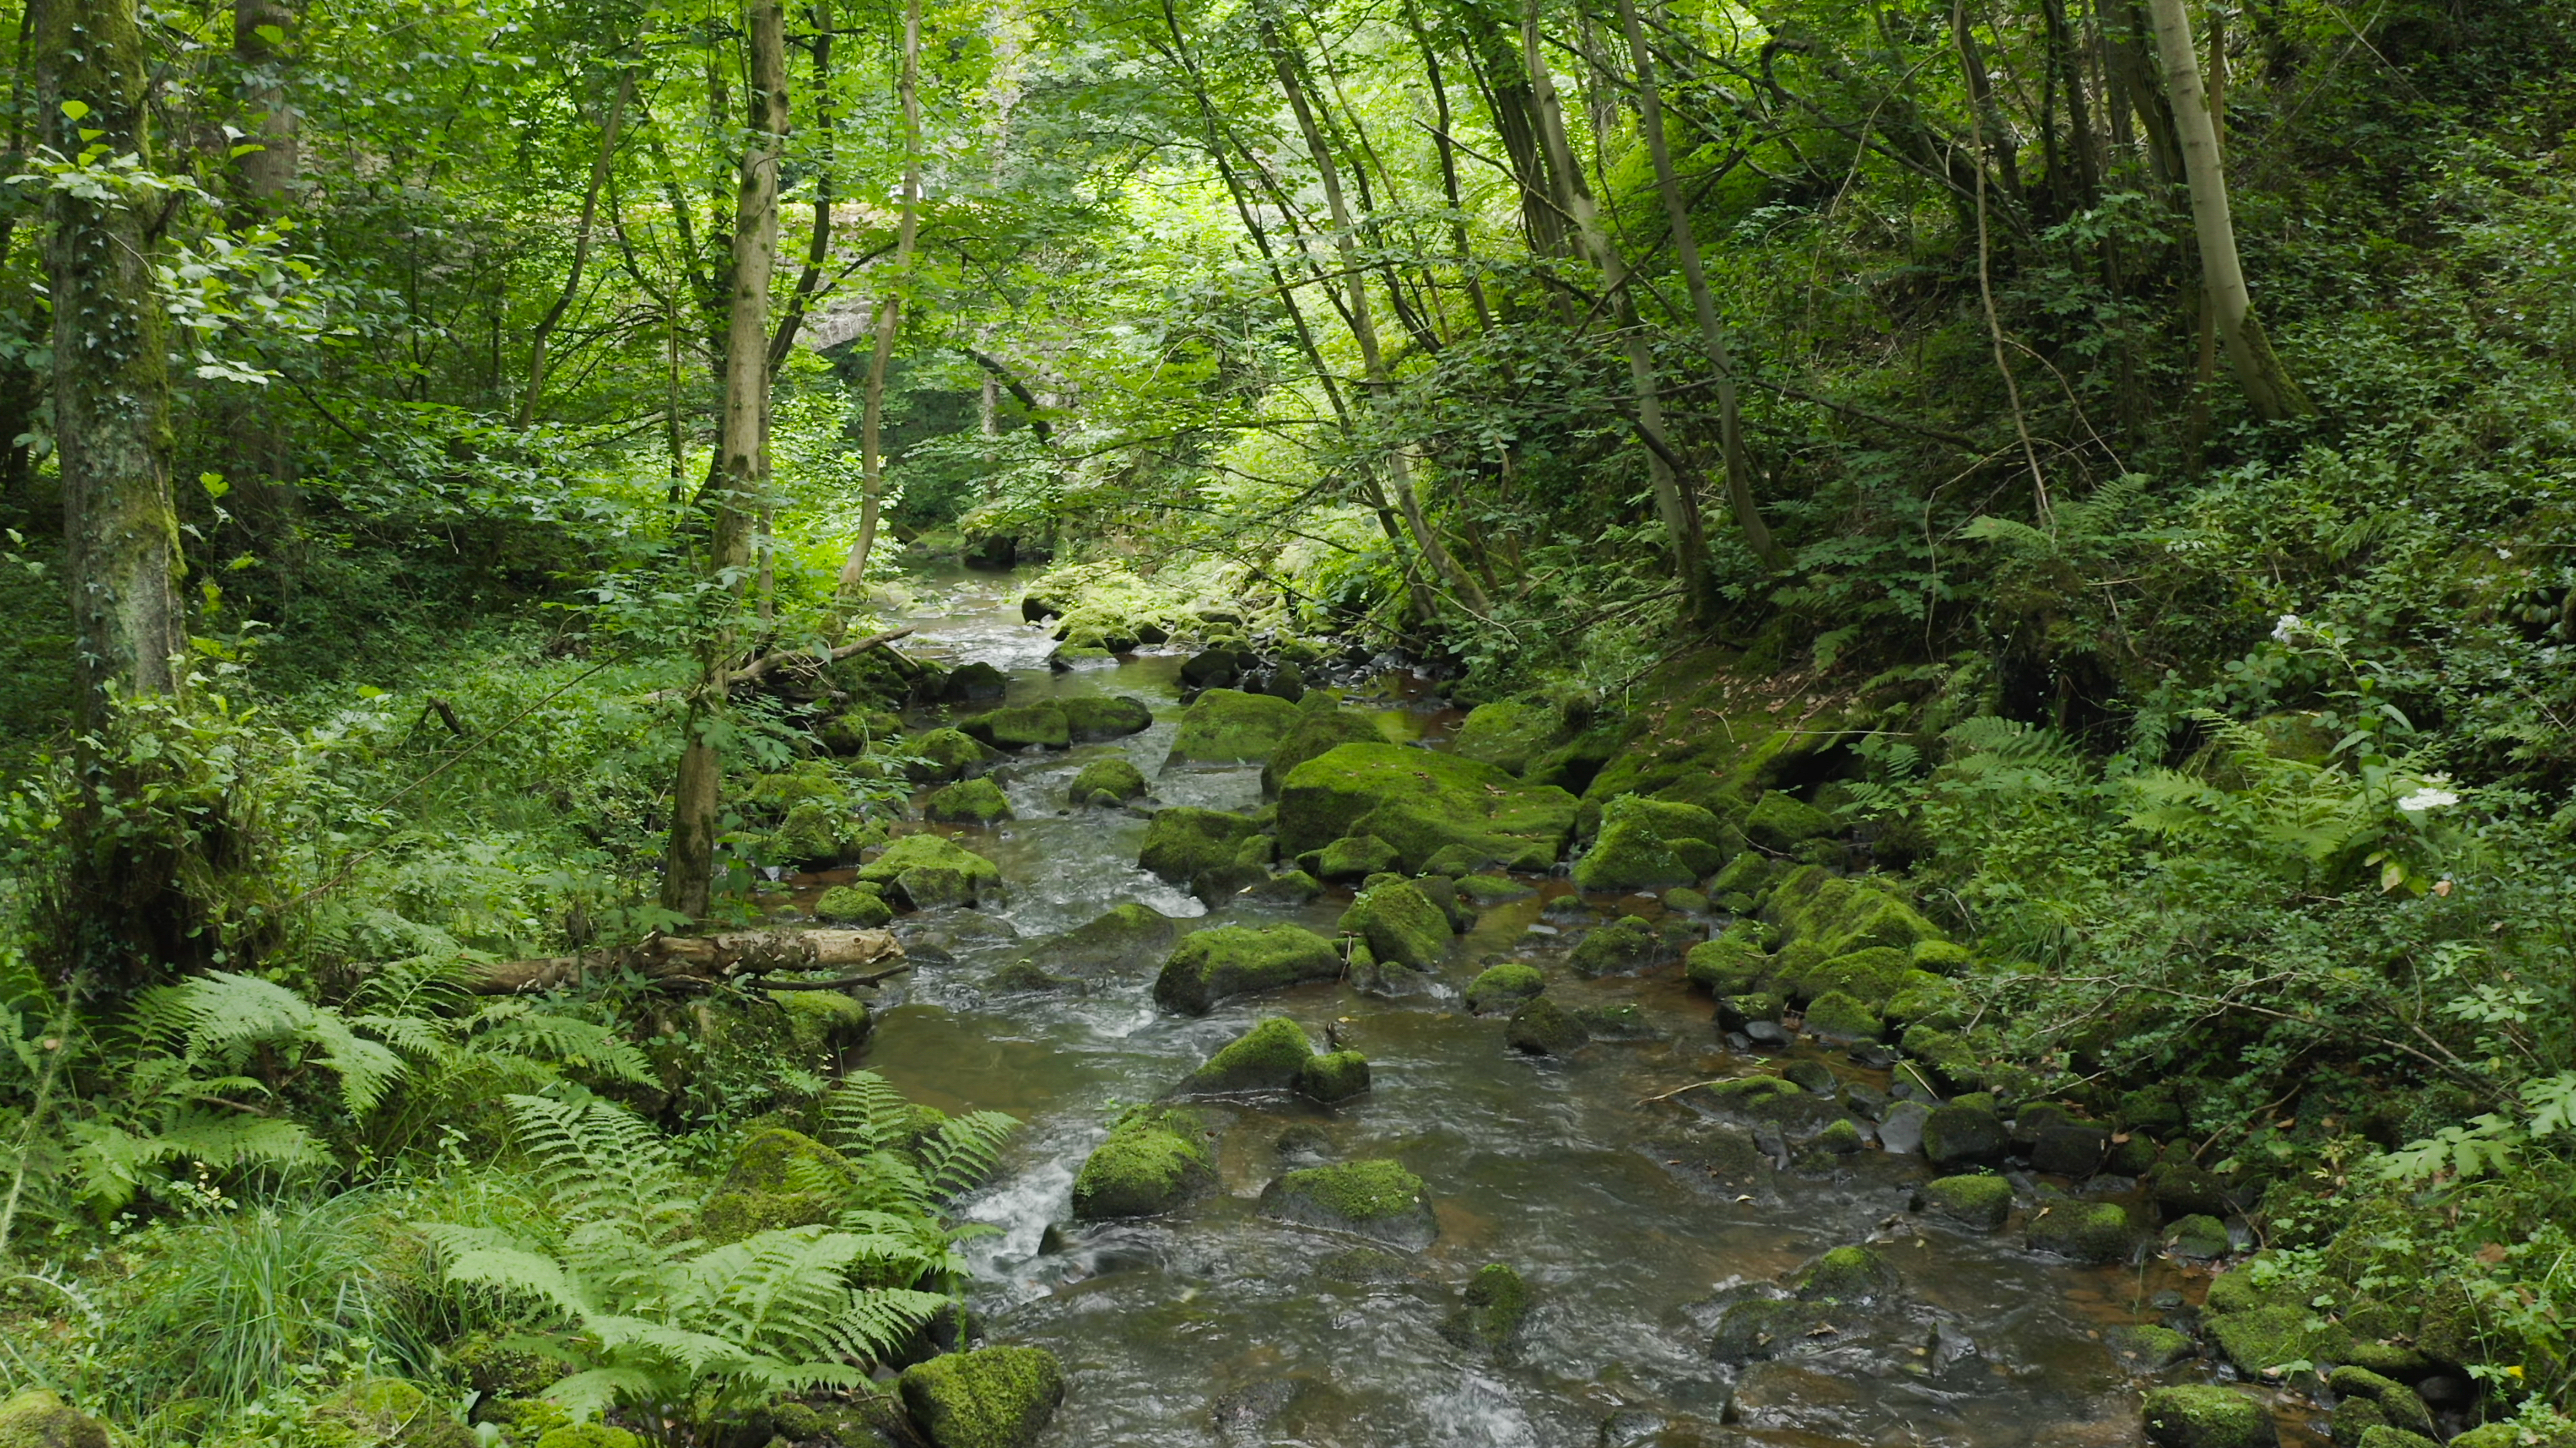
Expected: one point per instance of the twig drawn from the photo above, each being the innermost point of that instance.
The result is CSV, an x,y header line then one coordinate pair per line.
x,y
766,662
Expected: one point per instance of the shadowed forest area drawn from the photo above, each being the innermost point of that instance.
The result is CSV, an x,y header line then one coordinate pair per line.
x,y
974,724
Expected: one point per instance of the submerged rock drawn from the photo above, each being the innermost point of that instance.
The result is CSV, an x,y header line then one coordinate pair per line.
x,y
2200,1416
1128,937
1378,1199
1496,1303
1155,1161
1231,960
1422,802
992,1397
1225,726
1105,782
1760,1329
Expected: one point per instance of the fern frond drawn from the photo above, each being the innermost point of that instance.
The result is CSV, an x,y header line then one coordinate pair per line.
x,y
879,1320
864,1113
962,1153
589,1394
601,1163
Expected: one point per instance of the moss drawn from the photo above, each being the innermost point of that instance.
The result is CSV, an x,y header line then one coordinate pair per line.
x,y
588,1435
1541,1027
1929,1001
1846,1274
372,1413
1483,892
1457,861
945,754
1747,874
1105,782
2200,1416
849,905
1750,1092
932,852
1622,947
1728,965
2086,1231
1090,718
2148,1348
1942,957
41,1419
1874,975
972,801
1227,726
1376,1198
1648,844
1840,1138
1352,857
1495,1304
1422,802
1510,736
1690,901
779,1178
1977,1201
1839,1017
822,1020
1022,726
1400,924
1321,726
1781,822
1764,1328
993,1397
2399,1405
1504,986
1154,1161
1266,1058
1232,960
1295,887
854,731
1824,916
1951,1059
1335,1078
2198,1236
1185,840
2390,1436
1758,1005
822,833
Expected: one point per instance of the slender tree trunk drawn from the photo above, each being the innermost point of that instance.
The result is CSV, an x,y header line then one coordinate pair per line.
x,y
260,31
1448,151
259,451
554,316
742,479
854,571
2259,370
1712,332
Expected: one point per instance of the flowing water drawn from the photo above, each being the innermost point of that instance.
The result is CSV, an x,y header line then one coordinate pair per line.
x,y
1219,1327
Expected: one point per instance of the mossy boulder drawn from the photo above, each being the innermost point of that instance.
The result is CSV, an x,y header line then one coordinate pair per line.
x,y
1731,964
1978,1202
1483,892
1781,822
2399,1405
820,1021
1510,736
1155,1160
1022,726
971,681
853,905
943,871
1941,957
1128,937
1422,802
1185,841
821,833
1268,1057
945,754
37,1418
1321,726
587,1435
1625,946
2386,1435
1352,857
968,802
992,1397
1541,1027
1854,1275
1820,915
1836,1016
1377,1199
2202,1416
779,1178
369,1413
1334,1077
1230,960
2198,1236
1292,887
1504,987
1090,718
2148,1348
1928,1000
1873,976
1648,844
1761,1329
1400,924
1105,782
1491,1311
2182,1187
1956,1134
2096,1232
1227,726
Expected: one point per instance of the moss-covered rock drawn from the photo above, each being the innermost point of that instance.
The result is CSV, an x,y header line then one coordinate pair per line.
x,y
1648,844
1855,1275
968,802
1022,726
1873,976
853,905
1155,1160
1504,987
819,834
2516,1435
1625,946
1510,736
2148,1348
1090,718
2201,1416
1400,924
1941,957
821,1021
1422,802
993,1397
945,754
2086,1231
1227,726
38,1418
587,1435
1266,1058
2198,1236
1978,1202
1230,960
369,1413
1125,939
1483,892
1293,887
1820,915
1334,1077
1957,1134
779,1178
1541,1027
2399,1405
1781,822
1494,1305
1109,782
1377,1199
1185,841
1927,1000
1835,1016
944,872
1731,964
1352,857
2388,1435
1761,1329
1950,1059
1321,726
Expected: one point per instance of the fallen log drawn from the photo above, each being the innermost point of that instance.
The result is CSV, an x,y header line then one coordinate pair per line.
x,y
684,962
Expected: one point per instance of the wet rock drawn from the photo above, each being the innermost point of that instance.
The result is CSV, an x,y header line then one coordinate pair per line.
x,y
1442,890
41,1419
2198,1236
853,905
1422,802
2200,1416
1268,1057
1851,1275
1110,782
1840,1138
1543,1028
2182,1188
2395,1404
1247,1415
2096,1232
1184,841
969,682
1304,1142
1230,960
1400,924
1022,726
1378,1199
2070,1149
1622,947
2387,1436
1510,736
1219,885
993,1397
945,754
1956,1134
1780,822
1835,1016
1227,726
1979,1203
1866,1101
972,801
1761,1329
2147,1348
1649,844
1616,1023
1504,987
1296,887
1214,668
1759,1027
1900,1130
1333,1078
1127,938
1495,1304
1352,857
1483,892
1155,1161
928,871
1091,718
1321,725
1813,1404
1816,1076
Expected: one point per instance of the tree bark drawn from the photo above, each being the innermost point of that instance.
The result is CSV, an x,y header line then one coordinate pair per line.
x,y
854,571
1712,331
2268,384
686,961
554,316
742,479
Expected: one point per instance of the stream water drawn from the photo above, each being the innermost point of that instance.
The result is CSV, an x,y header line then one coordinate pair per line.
x,y
1219,1327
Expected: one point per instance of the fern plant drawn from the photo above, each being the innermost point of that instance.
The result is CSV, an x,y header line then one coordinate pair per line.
x,y
910,1163
656,1320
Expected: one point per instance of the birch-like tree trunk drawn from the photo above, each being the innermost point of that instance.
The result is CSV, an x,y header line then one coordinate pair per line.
x,y
854,570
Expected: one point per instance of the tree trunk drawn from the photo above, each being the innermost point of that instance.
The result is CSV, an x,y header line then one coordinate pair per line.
x,y
700,961
742,461
1712,332
2259,370
854,571
554,316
